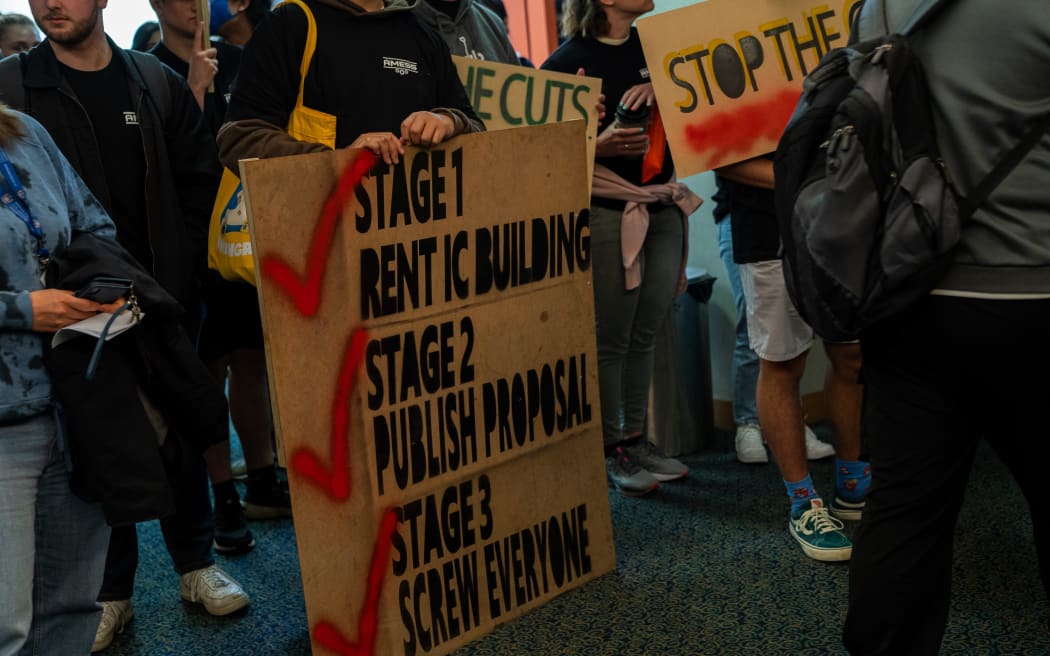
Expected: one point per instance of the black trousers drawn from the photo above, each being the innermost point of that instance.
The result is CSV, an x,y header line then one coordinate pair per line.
x,y
937,379
188,533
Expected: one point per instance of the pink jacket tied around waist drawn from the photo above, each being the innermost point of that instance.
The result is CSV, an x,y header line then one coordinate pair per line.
x,y
635,222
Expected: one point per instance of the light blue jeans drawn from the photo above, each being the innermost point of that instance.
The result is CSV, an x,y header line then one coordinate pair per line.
x,y
52,547
745,361
627,321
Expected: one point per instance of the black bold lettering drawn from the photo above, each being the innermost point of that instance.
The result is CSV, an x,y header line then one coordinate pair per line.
x,y
370,306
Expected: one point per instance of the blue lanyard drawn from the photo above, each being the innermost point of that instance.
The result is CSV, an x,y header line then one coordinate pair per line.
x,y
14,199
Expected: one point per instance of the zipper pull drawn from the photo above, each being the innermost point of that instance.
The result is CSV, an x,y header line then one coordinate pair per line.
x,y
880,52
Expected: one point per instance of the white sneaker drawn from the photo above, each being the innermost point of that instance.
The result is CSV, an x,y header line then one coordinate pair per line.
x,y
749,447
214,589
239,469
115,616
815,448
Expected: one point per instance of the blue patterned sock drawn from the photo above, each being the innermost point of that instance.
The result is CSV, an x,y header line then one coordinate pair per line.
x,y
852,479
801,492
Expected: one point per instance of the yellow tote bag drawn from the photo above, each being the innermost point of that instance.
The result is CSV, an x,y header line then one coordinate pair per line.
x,y
229,238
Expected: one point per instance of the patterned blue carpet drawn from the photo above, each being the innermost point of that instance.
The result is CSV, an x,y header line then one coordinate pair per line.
x,y
705,566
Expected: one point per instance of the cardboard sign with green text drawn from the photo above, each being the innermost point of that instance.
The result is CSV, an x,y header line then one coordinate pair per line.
x,y
728,73
508,96
431,352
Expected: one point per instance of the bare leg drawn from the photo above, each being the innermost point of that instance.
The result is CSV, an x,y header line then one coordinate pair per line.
x,y
780,414
842,398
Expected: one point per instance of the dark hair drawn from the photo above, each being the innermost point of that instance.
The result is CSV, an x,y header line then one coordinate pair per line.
x,y
142,36
257,11
583,18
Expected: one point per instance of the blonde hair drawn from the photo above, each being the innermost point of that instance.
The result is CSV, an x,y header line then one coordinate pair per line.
x,y
583,18
11,127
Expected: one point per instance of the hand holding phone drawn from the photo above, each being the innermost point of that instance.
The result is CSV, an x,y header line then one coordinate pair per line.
x,y
105,290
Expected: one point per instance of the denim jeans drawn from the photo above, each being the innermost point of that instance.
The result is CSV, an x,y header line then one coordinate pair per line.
x,y
745,361
627,320
52,547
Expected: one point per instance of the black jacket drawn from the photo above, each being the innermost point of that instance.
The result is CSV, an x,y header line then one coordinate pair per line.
x,y
182,168
111,441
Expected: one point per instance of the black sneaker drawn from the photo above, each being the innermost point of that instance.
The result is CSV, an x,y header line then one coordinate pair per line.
x,y
231,531
267,501
626,474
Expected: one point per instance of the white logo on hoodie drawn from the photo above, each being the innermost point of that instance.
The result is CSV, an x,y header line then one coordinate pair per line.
x,y
467,52
400,66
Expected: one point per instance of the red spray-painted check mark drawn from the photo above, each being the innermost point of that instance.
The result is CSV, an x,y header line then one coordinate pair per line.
x,y
329,635
334,479
306,292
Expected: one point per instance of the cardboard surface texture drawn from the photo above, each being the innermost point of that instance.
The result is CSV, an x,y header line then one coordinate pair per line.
x,y
728,73
508,96
447,372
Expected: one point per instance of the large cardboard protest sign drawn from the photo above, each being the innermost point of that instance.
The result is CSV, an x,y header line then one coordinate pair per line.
x,y
728,73
508,96
430,336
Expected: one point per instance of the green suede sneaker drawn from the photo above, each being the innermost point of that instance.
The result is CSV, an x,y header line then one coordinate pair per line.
x,y
818,533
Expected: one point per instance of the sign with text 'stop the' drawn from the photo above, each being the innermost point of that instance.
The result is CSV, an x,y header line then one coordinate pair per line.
x,y
430,341
728,73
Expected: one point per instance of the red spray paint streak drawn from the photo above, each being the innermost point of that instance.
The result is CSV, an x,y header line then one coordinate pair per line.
x,y
306,293
334,479
329,635
739,129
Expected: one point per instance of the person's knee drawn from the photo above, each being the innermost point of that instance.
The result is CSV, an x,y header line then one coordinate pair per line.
x,y
845,360
784,370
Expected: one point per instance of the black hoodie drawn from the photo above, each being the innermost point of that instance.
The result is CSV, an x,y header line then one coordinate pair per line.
x,y
370,70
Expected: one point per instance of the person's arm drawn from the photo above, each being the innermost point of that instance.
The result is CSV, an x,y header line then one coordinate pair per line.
x,y
452,97
265,91
756,172
48,310
204,64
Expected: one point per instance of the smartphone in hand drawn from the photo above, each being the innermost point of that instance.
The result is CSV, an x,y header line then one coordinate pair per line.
x,y
105,290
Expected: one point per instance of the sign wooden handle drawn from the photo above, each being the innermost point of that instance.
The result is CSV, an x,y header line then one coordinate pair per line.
x,y
204,16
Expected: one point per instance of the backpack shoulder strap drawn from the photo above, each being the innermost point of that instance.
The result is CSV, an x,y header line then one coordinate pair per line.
x,y
1008,162
152,73
12,73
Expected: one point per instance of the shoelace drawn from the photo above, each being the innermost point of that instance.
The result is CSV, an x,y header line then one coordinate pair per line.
x,y
822,521
214,579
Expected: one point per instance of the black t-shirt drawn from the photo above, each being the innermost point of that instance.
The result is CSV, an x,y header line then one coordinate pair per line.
x,y
620,68
756,236
215,104
107,100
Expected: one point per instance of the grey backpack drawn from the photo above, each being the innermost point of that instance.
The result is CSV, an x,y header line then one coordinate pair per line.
x,y
868,215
